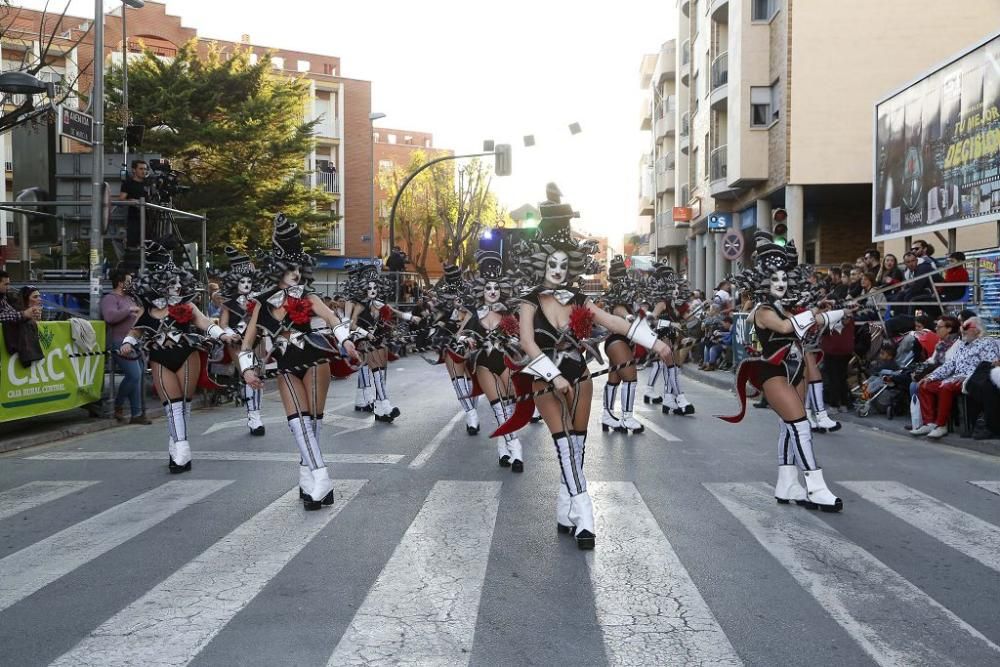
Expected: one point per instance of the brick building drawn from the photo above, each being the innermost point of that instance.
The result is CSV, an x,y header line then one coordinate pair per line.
x,y
394,149
341,159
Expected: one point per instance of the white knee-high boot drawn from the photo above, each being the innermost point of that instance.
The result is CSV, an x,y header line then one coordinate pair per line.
x,y
503,453
816,489
815,403
571,449
179,449
653,394
628,420
321,490
252,397
787,487
513,443
608,418
683,404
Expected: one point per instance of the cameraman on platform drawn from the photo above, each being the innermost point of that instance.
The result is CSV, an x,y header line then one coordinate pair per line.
x,y
134,188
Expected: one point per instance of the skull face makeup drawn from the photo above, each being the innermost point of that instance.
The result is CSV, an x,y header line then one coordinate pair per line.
x,y
556,268
174,288
245,285
779,284
491,292
291,277
371,291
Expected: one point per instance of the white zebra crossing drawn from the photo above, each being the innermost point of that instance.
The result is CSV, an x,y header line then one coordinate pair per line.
x,y
264,457
28,570
176,619
422,608
992,487
31,495
891,619
650,610
961,531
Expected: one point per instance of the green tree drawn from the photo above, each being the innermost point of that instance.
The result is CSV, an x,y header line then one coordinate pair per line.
x,y
237,132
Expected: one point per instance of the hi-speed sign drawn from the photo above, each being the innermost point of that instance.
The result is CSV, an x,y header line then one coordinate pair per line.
x,y
732,244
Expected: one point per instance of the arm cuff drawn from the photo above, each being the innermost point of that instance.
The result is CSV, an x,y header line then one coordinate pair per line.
x,y
214,331
342,332
542,367
834,320
246,361
406,316
641,334
130,340
802,322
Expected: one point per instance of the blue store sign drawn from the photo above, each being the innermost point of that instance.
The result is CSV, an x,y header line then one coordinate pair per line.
x,y
719,222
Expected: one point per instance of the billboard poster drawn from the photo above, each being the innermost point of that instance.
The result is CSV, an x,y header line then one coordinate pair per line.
x,y
937,148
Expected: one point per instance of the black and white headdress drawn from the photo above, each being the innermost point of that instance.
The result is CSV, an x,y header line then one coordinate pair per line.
x,y
286,252
360,275
160,273
768,258
490,271
240,266
622,288
555,234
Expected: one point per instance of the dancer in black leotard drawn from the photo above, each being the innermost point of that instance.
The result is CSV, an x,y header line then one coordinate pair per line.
x,y
169,329
620,300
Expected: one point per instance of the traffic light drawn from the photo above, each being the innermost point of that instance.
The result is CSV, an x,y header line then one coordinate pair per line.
x,y
503,160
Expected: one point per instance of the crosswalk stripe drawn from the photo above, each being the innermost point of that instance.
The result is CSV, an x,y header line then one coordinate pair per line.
x,y
663,433
428,451
891,619
331,419
650,610
265,457
30,569
31,495
422,608
961,531
992,487
171,623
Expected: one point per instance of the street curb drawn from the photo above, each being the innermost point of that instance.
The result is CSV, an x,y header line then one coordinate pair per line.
x,y
724,381
91,425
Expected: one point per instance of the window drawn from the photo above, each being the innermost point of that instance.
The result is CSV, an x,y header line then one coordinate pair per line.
x,y
253,59
696,177
328,68
708,152
765,104
407,140
391,138
375,137
385,165
763,10
427,143
278,62
304,65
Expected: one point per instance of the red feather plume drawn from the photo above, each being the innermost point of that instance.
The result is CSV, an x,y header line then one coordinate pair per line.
x,y
509,325
385,312
581,322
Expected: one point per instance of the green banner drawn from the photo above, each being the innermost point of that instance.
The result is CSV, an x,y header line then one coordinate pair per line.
x,y
66,378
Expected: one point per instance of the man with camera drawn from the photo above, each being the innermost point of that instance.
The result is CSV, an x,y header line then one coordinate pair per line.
x,y
134,188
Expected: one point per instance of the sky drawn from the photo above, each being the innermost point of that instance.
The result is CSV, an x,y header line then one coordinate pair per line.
x,y
469,71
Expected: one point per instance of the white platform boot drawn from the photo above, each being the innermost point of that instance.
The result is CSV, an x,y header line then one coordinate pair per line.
x,y
788,488
818,493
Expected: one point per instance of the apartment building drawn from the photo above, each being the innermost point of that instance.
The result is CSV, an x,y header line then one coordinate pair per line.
x,y
341,159
774,108
657,166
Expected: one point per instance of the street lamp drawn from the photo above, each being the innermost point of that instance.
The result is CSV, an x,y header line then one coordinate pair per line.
x,y
21,83
126,116
372,117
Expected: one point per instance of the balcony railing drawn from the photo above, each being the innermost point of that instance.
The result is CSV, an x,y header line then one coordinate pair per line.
x,y
665,163
720,70
685,124
685,195
328,181
686,52
335,237
665,107
718,166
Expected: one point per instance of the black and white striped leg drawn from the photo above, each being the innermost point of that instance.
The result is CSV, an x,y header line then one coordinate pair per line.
x,y
653,395
628,420
816,489
608,418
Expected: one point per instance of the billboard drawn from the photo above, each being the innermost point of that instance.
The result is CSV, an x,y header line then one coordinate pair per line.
x,y
937,148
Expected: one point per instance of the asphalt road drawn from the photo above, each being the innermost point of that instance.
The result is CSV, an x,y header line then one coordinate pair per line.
x,y
433,554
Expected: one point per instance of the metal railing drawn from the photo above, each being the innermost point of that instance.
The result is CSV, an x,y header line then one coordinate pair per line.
x,y
686,124
665,163
720,70
665,107
718,164
328,182
686,52
335,236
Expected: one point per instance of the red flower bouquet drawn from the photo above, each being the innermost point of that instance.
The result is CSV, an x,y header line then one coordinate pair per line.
x,y
509,325
251,306
182,313
299,310
385,312
581,322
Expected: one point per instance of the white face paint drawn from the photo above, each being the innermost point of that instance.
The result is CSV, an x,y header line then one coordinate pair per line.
x,y
174,288
372,291
556,268
779,284
491,292
291,278
244,285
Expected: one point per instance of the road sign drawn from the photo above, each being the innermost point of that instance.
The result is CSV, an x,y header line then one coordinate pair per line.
x,y
719,222
77,125
733,244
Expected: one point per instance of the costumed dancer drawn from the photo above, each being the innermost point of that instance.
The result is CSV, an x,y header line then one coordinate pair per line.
x,y
668,289
491,328
167,329
372,317
364,393
240,284
780,370
556,321
620,300
455,308
288,313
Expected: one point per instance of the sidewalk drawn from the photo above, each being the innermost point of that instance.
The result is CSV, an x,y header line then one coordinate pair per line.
x,y
724,380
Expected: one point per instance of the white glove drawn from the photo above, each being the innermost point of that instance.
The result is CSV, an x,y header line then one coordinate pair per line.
x,y
640,333
246,361
542,367
803,322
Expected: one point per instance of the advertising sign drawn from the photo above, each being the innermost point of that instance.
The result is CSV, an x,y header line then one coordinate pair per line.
x,y
937,148
682,214
719,222
59,381
77,125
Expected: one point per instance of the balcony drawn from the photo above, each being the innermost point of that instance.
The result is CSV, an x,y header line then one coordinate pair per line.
x,y
334,238
328,182
720,11
666,63
718,174
686,7
327,128
685,137
685,195
666,122
665,174
667,234
720,81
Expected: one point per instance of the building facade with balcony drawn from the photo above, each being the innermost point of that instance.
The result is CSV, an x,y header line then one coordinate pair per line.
x,y
774,105
658,166
341,158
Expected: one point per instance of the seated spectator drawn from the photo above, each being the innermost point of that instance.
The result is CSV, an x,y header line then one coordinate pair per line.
x,y
854,287
872,259
890,273
873,305
723,296
983,391
838,286
956,274
938,389
719,344
920,291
